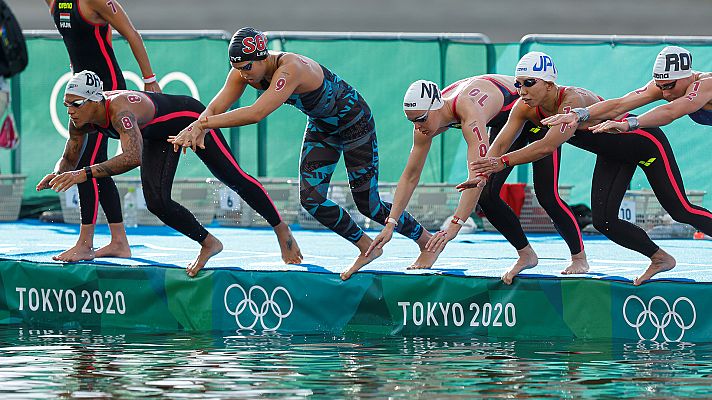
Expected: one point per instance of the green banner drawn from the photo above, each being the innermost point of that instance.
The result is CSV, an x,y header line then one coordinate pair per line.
x,y
295,302
195,67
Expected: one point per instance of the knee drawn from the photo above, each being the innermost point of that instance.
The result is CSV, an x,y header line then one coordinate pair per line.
x,y
155,204
309,200
600,222
547,202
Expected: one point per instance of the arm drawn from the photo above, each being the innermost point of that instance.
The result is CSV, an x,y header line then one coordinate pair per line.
x,y
608,109
285,81
112,12
406,186
697,96
232,90
70,157
131,144
474,131
557,135
510,131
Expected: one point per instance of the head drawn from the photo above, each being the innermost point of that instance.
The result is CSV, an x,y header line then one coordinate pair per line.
x,y
247,52
672,72
421,103
81,96
535,76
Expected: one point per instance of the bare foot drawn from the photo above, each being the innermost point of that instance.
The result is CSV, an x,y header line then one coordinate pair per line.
x,y
579,265
114,249
287,244
208,248
76,253
363,244
527,259
425,260
660,262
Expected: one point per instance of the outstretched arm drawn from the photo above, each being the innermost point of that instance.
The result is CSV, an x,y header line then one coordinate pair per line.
x,y
697,96
285,81
114,14
608,109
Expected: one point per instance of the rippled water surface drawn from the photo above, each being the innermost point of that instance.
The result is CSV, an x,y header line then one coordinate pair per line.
x,y
86,364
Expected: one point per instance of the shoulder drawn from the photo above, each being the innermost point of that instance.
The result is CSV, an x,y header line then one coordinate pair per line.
x,y
296,63
578,97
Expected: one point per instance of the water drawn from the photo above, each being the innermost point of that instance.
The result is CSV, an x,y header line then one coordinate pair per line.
x,y
84,364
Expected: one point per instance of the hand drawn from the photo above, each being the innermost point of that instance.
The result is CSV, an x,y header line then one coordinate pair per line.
x,y
479,181
438,241
381,240
570,119
44,183
151,87
487,166
610,127
64,181
193,136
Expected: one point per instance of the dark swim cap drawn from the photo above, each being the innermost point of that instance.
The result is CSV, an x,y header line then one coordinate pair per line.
x,y
248,44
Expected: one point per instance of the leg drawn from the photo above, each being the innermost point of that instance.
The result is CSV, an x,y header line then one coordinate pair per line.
x,y
91,193
610,181
159,163
546,187
219,160
109,200
665,179
362,165
503,218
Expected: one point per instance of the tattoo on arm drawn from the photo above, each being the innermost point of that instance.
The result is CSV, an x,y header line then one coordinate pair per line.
x,y
131,144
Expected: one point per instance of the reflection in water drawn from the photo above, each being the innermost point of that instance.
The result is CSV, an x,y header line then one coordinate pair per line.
x,y
41,364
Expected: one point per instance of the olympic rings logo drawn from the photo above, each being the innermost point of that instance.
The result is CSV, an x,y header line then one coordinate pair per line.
x,y
249,305
660,324
129,76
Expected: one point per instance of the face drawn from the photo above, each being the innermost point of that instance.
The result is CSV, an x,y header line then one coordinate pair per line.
x,y
531,90
424,121
78,108
251,71
672,89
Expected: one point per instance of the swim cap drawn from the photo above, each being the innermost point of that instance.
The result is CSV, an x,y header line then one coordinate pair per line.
x,y
248,44
673,62
536,64
85,84
421,95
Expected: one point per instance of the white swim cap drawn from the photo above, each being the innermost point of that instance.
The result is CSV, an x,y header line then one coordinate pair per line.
x,y
673,62
421,95
536,64
85,84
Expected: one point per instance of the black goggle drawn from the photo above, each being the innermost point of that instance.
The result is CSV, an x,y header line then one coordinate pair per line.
x,y
527,82
75,103
424,117
245,67
667,86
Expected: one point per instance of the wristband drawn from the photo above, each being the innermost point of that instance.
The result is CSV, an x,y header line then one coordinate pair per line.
x,y
149,79
505,161
392,221
582,113
633,123
457,220
87,170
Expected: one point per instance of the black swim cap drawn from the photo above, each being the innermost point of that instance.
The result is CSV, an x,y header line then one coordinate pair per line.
x,y
248,44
